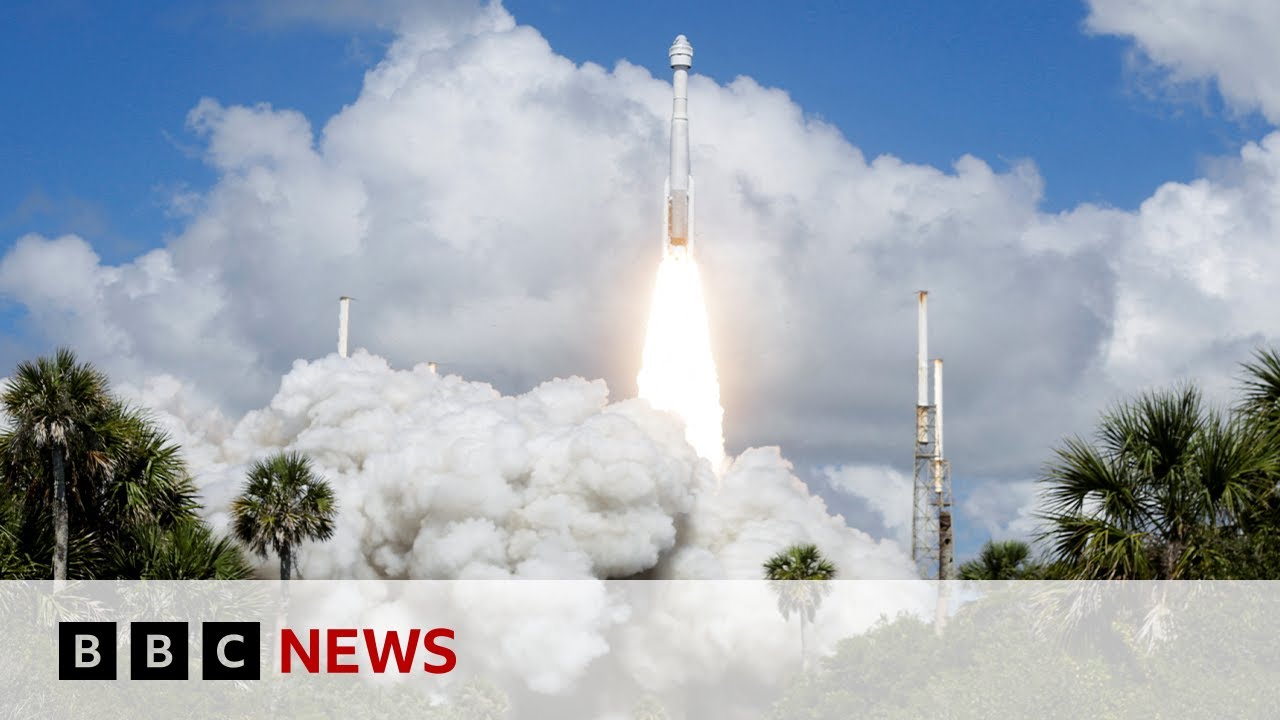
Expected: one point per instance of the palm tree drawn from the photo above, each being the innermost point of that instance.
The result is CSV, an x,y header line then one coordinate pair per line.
x,y
187,551
122,478
1164,479
795,575
149,484
1001,560
15,561
51,402
283,504
1262,385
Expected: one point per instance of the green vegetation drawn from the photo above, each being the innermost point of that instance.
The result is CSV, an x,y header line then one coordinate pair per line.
x,y
91,488
1164,482
1019,652
1166,489
284,503
1002,560
58,407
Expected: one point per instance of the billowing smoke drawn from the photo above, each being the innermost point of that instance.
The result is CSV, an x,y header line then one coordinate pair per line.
x,y
440,477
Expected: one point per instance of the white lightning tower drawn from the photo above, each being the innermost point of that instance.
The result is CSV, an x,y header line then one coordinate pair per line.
x,y
931,534
941,483
344,313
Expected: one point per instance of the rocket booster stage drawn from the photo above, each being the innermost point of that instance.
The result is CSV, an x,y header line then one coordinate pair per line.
x,y
679,183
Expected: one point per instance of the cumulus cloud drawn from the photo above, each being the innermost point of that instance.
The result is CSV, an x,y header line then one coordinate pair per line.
x,y
1197,305
1230,42
1006,510
883,489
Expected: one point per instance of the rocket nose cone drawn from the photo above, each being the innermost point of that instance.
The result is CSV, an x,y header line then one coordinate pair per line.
x,y
681,52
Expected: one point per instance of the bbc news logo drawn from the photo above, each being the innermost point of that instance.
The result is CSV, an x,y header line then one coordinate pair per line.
x,y
232,651
159,651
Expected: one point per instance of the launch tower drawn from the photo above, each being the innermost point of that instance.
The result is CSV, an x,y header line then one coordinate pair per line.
x,y
931,533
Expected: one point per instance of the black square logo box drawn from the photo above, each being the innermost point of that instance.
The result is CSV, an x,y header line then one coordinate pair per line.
x,y
86,651
158,651
231,651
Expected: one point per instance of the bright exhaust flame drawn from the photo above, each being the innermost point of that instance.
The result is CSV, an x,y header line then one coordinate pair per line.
x,y
677,373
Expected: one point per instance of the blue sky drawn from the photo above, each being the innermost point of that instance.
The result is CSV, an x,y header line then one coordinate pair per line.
x,y
96,101
96,98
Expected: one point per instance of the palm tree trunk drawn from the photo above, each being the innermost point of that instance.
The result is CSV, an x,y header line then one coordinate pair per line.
x,y
60,528
941,608
286,563
282,614
804,643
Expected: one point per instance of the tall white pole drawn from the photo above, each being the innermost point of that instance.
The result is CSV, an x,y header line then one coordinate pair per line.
x,y
922,346
941,483
921,524
937,407
344,305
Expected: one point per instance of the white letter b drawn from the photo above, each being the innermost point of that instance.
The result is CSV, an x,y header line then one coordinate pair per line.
x,y
87,649
157,650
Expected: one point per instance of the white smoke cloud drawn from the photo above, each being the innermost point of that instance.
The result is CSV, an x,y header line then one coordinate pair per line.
x,y
439,477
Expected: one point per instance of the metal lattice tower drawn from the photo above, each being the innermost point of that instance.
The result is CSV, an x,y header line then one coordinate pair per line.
x,y
931,533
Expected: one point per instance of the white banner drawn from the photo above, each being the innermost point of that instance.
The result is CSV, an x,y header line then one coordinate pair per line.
x,y
638,649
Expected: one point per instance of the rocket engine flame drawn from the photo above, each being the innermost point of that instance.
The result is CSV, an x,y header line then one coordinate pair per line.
x,y
678,373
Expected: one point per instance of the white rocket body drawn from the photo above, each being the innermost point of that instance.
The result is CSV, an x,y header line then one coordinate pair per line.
x,y
679,189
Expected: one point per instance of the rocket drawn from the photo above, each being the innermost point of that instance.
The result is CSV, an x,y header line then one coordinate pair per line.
x,y
679,186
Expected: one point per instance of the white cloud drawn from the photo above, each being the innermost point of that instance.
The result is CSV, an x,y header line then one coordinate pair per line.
x,y
1006,510
1231,42
886,491
1196,299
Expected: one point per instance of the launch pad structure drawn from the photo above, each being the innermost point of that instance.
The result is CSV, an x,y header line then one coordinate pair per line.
x,y
931,533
